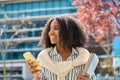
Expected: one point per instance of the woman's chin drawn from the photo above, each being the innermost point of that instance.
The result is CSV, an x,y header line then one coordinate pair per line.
x,y
53,43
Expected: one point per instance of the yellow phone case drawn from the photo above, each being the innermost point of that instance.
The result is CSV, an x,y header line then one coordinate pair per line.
x,y
29,56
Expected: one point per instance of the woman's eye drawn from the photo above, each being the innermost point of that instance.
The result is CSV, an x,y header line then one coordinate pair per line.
x,y
56,28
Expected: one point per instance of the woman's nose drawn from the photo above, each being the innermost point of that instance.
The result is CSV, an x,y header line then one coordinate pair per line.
x,y
51,31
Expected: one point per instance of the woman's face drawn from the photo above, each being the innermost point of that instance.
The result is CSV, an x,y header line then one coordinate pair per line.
x,y
54,32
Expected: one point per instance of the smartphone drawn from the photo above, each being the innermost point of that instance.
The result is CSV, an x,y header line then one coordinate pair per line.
x,y
29,56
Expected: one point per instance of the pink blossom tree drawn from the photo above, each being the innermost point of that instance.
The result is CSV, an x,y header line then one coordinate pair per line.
x,y
99,18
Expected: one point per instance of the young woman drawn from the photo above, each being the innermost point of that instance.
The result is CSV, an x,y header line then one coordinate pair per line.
x,y
64,55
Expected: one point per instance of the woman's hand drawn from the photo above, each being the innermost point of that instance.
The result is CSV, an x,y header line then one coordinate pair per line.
x,y
33,70
83,76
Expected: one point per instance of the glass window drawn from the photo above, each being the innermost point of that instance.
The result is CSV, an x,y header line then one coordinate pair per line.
x,y
38,33
29,34
64,3
42,4
1,16
49,4
15,55
42,12
20,55
28,6
57,3
56,12
22,6
35,5
8,7
42,23
15,7
50,12
35,13
22,45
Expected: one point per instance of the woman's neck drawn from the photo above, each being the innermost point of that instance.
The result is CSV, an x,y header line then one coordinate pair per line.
x,y
61,49
64,53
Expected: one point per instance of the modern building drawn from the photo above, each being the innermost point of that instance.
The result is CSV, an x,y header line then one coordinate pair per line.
x,y
21,23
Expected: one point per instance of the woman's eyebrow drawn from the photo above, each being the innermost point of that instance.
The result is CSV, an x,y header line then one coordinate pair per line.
x,y
55,25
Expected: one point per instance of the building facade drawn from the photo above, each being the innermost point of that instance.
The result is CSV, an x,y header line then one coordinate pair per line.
x,y
21,24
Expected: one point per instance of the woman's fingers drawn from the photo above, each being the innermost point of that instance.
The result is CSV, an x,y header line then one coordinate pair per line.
x,y
84,76
32,66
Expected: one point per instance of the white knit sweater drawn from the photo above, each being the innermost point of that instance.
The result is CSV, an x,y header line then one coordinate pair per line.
x,y
61,69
